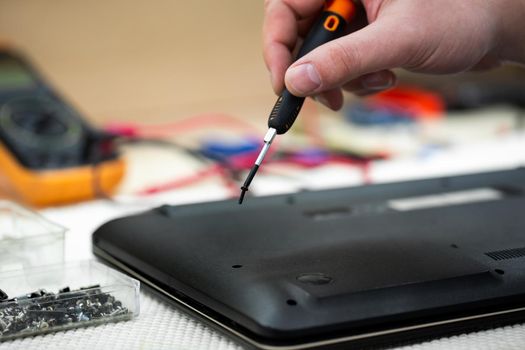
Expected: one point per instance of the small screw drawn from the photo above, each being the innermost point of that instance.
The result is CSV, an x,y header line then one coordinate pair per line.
x,y
42,310
64,290
3,325
3,295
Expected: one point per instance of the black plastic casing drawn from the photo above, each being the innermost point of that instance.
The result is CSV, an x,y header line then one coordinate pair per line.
x,y
339,267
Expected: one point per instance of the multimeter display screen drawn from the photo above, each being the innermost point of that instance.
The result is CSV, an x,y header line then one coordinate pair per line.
x,y
13,75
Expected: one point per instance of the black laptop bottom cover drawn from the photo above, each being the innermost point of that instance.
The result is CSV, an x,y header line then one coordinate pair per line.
x,y
364,266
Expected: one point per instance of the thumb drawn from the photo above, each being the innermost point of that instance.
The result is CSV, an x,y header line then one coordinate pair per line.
x,y
376,47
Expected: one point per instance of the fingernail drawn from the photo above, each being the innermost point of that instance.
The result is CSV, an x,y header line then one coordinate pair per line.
x,y
377,81
303,78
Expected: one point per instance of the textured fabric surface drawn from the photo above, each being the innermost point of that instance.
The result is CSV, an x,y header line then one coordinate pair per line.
x,y
161,327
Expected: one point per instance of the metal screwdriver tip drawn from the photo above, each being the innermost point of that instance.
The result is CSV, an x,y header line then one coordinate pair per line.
x,y
247,183
268,138
243,192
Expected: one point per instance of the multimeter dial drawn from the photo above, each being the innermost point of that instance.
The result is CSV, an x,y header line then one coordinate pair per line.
x,y
42,132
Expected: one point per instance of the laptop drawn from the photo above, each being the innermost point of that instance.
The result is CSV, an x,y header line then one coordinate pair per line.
x,y
359,267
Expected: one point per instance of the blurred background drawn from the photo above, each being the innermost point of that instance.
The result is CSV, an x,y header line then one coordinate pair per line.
x,y
183,90
121,60
143,103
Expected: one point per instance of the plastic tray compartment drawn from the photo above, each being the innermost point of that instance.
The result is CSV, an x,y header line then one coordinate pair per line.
x,y
65,296
27,239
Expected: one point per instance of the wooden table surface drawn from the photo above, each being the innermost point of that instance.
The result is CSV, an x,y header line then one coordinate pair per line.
x,y
162,59
155,60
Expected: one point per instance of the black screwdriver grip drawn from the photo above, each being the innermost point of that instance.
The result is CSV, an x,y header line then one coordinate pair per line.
x,y
285,112
330,26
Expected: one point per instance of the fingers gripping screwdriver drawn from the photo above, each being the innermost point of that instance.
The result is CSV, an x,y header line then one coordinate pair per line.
x,y
332,23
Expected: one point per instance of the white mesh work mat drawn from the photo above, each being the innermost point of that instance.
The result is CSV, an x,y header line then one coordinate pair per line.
x,y
161,327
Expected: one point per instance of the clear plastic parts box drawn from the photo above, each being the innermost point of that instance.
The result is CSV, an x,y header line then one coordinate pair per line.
x,y
27,239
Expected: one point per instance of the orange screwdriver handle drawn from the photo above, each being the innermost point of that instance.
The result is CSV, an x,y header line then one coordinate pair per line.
x,y
337,14
343,8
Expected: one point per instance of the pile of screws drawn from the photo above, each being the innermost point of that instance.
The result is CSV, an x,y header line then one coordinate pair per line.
x,y
44,311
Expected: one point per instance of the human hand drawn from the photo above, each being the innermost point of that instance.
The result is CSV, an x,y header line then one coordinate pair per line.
x,y
431,36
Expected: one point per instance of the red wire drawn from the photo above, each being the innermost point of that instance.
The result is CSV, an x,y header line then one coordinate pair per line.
x,y
193,179
229,122
182,182
231,185
197,122
216,169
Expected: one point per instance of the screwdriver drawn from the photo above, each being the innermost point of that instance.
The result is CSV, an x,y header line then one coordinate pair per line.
x,y
332,24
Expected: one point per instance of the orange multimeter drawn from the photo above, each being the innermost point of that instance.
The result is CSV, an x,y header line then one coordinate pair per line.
x,y
49,154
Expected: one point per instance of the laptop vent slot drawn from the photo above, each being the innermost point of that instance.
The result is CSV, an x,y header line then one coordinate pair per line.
x,y
507,254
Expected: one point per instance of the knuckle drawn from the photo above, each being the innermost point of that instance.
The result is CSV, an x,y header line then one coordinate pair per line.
x,y
345,59
411,46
